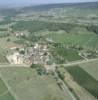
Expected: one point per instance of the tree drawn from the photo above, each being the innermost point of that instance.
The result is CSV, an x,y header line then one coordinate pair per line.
x,y
8,40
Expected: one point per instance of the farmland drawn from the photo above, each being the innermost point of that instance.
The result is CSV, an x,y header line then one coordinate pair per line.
x,y
3,56
27,84
4,92
53,39
91,68
86,40
66,54
84,79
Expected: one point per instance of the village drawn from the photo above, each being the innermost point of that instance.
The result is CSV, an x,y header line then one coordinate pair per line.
x,y
36,54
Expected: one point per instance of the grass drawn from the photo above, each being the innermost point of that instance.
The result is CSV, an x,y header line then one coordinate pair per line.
x,y
72,55
84,79
68,54
87,39
3,88
3,58
28,85
4,93
7,96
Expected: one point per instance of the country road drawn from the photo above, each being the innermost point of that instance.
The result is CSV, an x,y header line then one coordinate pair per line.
x,y
65,65
77,62
65,88
14,65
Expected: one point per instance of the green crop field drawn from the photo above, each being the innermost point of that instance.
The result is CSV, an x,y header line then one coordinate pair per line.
x,y
84,79
28,85
91,68
4,92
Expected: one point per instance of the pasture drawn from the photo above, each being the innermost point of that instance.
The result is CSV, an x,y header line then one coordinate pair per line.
x,y
84,79
28,85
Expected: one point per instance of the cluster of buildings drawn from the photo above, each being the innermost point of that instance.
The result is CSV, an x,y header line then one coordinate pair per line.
x,y
37,54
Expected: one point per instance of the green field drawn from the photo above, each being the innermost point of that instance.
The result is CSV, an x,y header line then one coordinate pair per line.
x,y
28,85
4,92
67,54
91,68
3,88
3,56
83,39
84,79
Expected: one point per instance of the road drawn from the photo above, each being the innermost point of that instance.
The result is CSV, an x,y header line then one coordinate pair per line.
x,y
65,88
67,64
14,65
77,62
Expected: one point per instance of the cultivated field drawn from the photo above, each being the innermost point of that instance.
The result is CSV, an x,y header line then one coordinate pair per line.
x,y
28,85
84,79
91,68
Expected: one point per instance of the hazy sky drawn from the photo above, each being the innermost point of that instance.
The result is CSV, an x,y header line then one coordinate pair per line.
x,y
31,2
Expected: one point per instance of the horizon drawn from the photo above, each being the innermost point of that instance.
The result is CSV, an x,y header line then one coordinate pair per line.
x,y
17,3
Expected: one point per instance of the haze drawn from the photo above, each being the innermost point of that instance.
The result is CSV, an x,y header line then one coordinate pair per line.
x,y
19,3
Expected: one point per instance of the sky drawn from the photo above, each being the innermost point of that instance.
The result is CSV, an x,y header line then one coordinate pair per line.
x,y
13,3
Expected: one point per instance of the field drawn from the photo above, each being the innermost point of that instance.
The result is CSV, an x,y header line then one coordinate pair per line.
x,y
85,40
4,92
91,68
3,56
74,27
3,59
84,79
67,54
28,85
